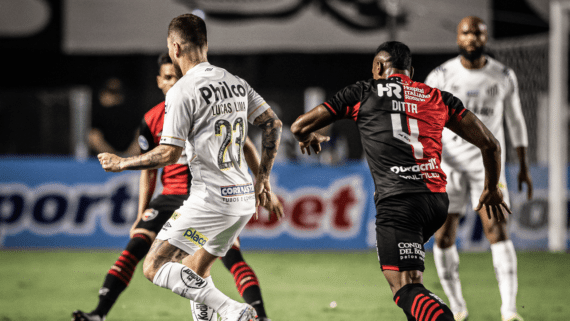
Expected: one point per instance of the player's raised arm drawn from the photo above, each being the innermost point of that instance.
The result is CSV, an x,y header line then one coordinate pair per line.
x,y
305,126
270,137
159,157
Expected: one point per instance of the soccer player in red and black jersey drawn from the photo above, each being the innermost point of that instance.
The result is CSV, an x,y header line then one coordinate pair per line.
x,y
153,214
400,123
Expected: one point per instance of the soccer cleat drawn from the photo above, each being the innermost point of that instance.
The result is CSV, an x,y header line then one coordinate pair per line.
x,y
263,319
79,315
513,317
461,316
241,312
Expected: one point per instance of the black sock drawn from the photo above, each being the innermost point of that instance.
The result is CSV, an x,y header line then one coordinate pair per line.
x,y
420,304
120,274
246,281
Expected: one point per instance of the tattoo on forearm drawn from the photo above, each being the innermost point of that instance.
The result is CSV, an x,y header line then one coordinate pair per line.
x,y
153,159
270,138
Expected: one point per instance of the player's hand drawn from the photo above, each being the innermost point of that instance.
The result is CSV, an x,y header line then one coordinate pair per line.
x,y
274,206
110,162
314,141
262,193
494,204
524,177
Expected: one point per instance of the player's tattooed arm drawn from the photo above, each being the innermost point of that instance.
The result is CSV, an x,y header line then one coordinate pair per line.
x,y
160,156
305,126
270,138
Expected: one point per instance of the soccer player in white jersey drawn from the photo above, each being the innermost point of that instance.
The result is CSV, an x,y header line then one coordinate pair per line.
x,y
207,112
490,90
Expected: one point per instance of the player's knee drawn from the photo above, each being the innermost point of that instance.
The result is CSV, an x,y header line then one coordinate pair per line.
x,y
496,233
444,239
148,235
398,280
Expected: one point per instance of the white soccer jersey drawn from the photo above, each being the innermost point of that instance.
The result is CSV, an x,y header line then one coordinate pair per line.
x,y
491,93
209,108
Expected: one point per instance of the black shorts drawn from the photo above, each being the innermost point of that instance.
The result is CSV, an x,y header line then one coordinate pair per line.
x,y
403,224
159,210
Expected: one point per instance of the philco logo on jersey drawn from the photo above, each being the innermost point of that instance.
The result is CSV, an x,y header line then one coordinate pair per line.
x,y
237,190
390,89
222,91
149,214
196,237
431,164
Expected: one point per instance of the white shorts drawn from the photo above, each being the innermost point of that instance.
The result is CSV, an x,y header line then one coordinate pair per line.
x,y
464,184
192,229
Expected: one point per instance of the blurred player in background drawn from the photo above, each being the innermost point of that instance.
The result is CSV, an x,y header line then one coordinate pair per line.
x,y
400,121
490,90
153,214
113,129
206,113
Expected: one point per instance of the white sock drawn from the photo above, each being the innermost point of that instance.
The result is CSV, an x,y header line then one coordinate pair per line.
x,y
202,312
505,263
447,264
183,281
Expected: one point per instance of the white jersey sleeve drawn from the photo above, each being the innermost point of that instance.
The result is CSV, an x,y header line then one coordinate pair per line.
x,y
513,113
178,117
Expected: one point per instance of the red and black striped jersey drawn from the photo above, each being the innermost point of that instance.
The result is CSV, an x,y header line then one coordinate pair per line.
x,y
175,178
400,122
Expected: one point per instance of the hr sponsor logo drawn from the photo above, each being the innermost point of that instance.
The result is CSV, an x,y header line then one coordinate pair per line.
x,y
389,90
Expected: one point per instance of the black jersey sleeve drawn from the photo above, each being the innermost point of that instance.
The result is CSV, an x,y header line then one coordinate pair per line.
x,y
146,139
455,108
341,105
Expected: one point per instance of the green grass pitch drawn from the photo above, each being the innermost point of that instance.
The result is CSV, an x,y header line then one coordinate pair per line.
x,y
49,285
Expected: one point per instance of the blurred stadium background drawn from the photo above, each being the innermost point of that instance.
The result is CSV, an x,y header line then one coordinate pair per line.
x,y
54,196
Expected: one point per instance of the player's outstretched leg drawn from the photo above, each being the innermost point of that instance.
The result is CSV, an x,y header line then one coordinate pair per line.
x,y
117,278
188,283
246,281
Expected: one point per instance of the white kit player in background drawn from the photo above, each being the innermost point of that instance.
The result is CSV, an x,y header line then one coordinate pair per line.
x,y
490,90
207,110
